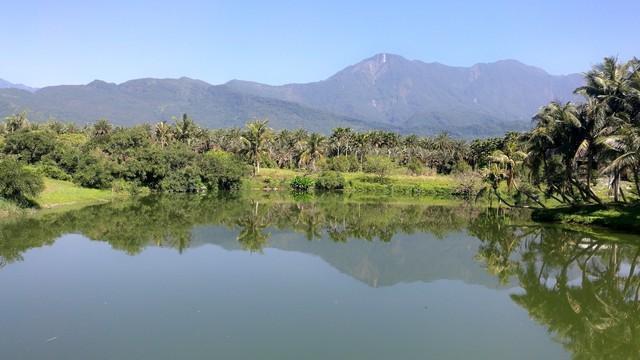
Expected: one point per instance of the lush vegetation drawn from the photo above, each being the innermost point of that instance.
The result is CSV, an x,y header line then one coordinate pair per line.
x,y
573,144
576,153
164,158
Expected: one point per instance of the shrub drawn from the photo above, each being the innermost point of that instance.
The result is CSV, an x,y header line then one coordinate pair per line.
x,y
93,171
301,183
379,165
221,171
461,167
51,170
17,183
330,180
415,166
185,180
343,163
468,186
123,186
95,175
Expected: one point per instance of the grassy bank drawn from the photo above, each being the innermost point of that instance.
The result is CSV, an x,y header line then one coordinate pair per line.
x,y
63,193
619,217
59,194
397,184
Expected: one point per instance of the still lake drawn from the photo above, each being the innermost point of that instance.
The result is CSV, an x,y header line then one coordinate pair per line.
x,y
189,277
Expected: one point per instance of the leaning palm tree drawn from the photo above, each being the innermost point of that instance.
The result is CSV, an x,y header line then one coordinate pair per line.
x,y
313,151
256,138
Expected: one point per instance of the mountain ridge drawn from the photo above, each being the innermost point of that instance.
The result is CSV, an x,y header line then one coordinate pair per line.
x,y
385,91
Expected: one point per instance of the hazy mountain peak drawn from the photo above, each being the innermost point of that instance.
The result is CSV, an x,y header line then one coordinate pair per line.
x,y
4,84
101,84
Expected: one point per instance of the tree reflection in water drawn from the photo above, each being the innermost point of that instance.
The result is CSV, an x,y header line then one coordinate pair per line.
x,y
584,290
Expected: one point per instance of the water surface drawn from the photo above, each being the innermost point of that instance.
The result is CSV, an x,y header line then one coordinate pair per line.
x,y
201,278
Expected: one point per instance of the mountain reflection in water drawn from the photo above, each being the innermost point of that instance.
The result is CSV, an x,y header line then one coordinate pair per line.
x,y
583,289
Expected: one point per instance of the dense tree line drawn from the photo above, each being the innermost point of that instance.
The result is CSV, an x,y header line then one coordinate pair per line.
x,y
183,157
165,158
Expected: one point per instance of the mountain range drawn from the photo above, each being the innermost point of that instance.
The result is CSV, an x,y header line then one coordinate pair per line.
x,y
385,91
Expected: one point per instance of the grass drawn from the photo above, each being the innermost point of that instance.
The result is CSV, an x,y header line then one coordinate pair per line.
x,y
61,195
8,208
613,216
397,184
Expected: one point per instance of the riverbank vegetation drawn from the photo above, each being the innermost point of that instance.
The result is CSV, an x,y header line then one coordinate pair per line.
x,y
577,154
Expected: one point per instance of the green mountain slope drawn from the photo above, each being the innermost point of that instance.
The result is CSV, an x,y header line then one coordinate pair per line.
x,y
383,92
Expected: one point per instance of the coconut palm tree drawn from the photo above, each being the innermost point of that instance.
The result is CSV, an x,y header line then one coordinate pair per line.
x,y
163,133
16,122
627,146
186,130
313,150
101,128
256,137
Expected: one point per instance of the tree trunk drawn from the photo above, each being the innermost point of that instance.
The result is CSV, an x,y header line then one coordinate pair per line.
x,y
636,179
589,165
615,186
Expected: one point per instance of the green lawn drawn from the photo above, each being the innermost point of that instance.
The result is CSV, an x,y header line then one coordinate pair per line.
x,y
64,193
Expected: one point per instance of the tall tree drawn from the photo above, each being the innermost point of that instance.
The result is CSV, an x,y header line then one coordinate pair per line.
x,y
256,137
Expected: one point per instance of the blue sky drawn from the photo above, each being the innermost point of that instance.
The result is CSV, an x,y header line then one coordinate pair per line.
x,y
72,42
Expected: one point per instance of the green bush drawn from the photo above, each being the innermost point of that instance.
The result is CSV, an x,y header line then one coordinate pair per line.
x,y
51,170
124,186
17,183
343,163
185,180
379,165
330,180
221,171
93,172
301,183
461,167
415,166
95,176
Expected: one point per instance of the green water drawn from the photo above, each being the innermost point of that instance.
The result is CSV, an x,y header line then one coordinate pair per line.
x,y
203,278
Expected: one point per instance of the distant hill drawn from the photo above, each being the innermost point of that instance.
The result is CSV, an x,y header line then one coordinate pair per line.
x,y
4,84
383,92
152,100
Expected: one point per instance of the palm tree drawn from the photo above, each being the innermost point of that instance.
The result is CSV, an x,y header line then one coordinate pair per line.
x,y
627,147
286,146
101,128
256,137
16,122
341,141
609,83
186,130
162,133
313,151
608,88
